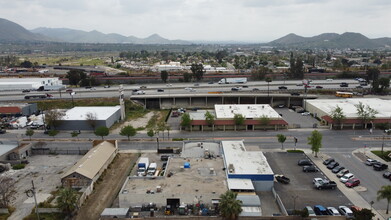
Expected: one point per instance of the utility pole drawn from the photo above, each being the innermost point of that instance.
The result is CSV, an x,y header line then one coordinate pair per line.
x,y
31,193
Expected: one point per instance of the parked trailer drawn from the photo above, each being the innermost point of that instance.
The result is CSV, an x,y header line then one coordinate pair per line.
x,y
232,80
142,166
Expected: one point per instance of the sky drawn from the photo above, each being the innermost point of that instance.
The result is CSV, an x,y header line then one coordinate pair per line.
x,y
208,20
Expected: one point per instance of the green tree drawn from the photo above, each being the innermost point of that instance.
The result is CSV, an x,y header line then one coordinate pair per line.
x,y
239,119
281,138
53,133
264,120
198,71
161,126
186,120
365,113
67,200
385,193
164,75
209,118
102,131
315,140
128,131
29,132
373,74
187,77
363,214
26,64
75,76
230,207
337,115
384,83
53,118
150,133
75,134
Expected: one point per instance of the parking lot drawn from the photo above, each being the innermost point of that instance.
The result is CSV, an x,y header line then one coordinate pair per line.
x,y
294,118
300,192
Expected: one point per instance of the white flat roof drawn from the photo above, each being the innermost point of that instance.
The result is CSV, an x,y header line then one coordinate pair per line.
x,y
248,111
348,106
101,112
240,184
4,148
27,80
244,162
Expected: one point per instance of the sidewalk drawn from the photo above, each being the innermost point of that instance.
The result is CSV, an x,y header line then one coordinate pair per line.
x,y
350,193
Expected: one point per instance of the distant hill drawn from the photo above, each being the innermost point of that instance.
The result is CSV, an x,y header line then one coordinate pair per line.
x,y
12,32
77,36
331,40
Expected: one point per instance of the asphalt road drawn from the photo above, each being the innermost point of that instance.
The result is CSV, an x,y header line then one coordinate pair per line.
x,y
179,88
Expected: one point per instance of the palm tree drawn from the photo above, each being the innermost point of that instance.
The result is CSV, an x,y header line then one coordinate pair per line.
x,y
230,208
67,200
385,193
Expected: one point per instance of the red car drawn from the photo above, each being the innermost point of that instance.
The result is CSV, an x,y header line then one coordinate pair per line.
x,y
352,182
308,86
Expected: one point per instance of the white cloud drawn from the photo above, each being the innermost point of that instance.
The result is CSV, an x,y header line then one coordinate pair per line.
x,y
243,20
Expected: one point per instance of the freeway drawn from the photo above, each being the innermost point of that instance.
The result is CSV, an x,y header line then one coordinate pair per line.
x,y
186,88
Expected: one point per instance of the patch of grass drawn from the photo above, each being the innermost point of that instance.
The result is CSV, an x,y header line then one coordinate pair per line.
x,y
153,121
294,151
383,156
178,139
18,166
140,128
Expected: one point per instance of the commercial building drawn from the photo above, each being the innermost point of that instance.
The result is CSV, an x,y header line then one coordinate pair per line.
x,y
246,165
257,117
88,118
323,108
18,109
8,84
88,169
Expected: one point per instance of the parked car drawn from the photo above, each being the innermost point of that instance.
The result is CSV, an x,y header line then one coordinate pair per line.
x,y
319,87
310,168
326,185
2,131
332,165
333,211
303,162
164,157
282,179
380,166
337,169
387,175
310,211
175,114
342,173
345,211
282,87
346,177
317,180
320,210
281,106
352,182
370,162
305,113
328,161
355,208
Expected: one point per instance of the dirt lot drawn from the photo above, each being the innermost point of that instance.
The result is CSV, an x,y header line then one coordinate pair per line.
x,y
106,190
45,171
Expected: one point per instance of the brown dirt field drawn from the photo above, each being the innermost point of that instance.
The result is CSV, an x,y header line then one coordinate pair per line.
x,y
106,190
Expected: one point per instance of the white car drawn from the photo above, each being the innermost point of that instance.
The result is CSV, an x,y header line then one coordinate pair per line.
x,y
305,113
333,211
188,88
318,180
346,177
139,92
345,211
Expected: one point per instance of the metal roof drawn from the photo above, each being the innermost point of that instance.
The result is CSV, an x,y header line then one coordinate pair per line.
x,y
101,112
240,161
348,106
240,184
5,148
115,212
91,163
248,111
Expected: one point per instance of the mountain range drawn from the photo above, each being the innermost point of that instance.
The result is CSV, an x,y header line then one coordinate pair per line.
x,y
14,33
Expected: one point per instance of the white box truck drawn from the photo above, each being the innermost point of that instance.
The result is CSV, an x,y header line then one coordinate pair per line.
x,y
142,166
152,169
232,80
